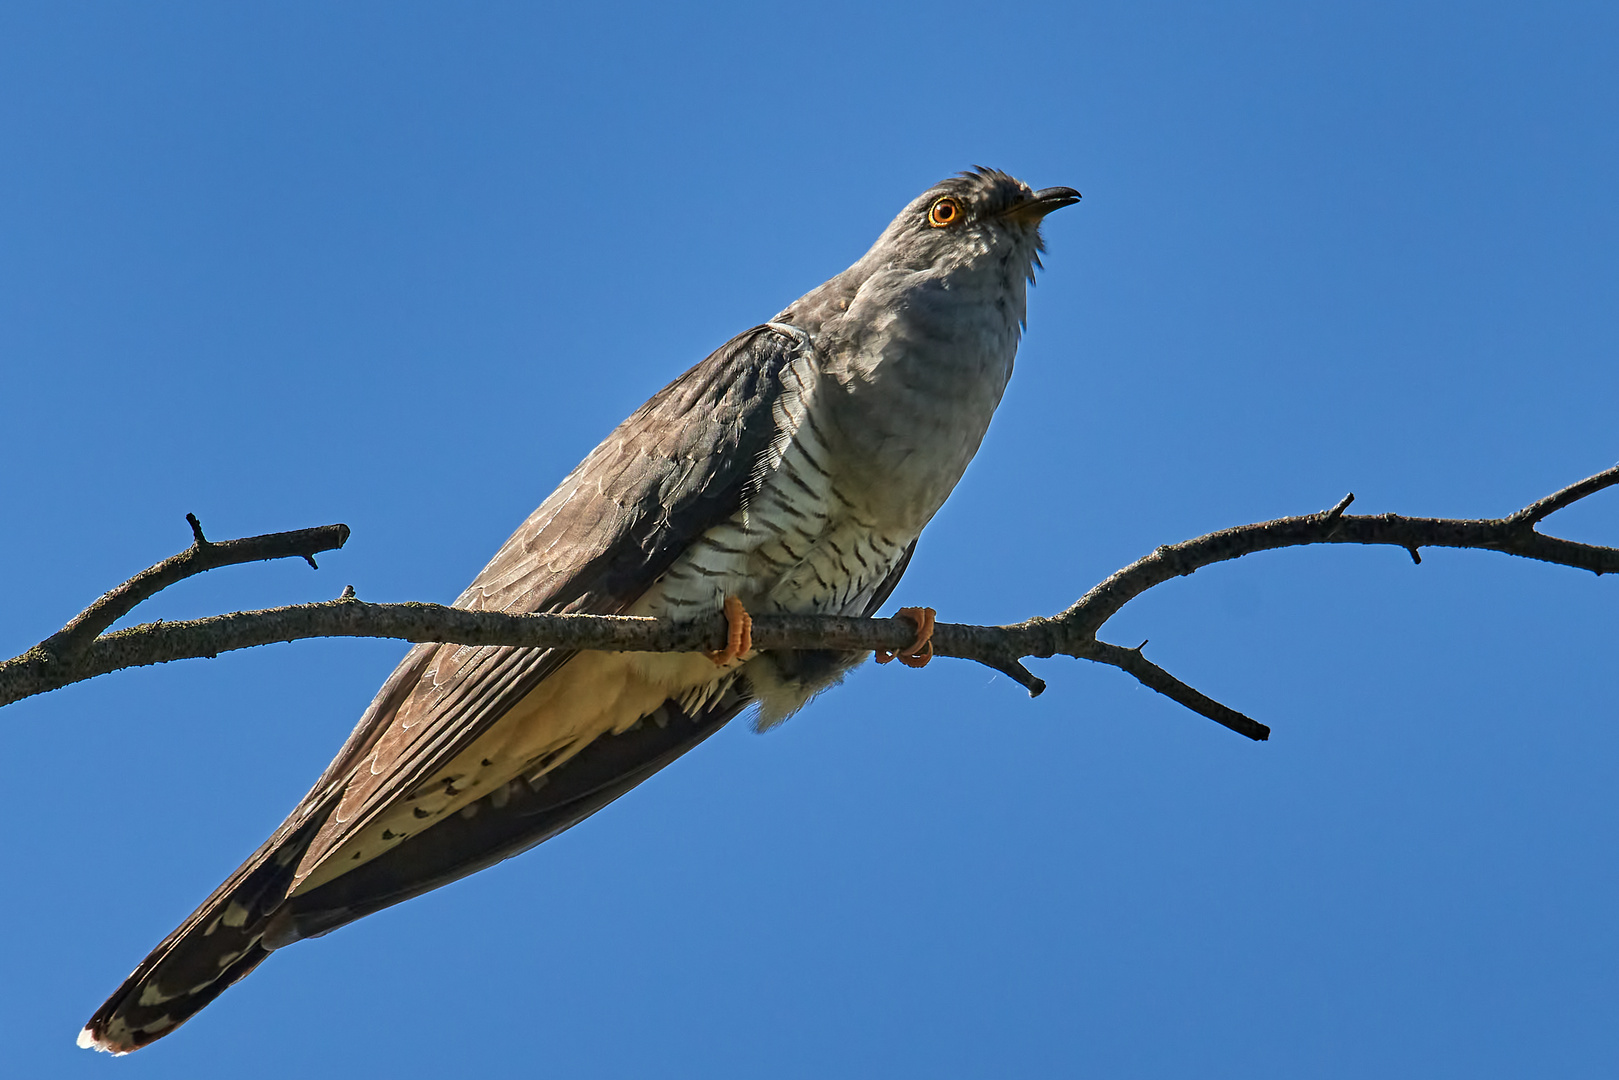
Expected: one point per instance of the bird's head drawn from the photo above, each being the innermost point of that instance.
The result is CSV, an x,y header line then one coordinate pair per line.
x,y
980,217
973,237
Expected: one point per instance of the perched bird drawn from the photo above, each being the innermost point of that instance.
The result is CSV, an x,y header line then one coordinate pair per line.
x,y
791,471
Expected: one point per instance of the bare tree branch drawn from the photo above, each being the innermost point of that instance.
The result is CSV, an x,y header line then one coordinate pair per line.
x,y
202,555
82,649
1537,511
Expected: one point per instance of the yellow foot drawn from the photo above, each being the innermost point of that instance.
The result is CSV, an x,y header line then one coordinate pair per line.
x,y
921,650
738,633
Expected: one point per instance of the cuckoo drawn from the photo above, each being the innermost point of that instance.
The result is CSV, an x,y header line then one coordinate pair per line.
x,y
791,471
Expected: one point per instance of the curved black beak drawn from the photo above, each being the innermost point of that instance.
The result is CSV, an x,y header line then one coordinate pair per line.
x,y
1042,203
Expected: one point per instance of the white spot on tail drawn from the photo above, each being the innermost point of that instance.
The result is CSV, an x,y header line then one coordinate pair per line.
x,y
151,995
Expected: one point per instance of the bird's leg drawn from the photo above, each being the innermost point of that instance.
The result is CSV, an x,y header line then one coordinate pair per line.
x,y
738,633
921,650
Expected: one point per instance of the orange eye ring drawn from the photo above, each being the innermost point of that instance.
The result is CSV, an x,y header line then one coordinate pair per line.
x,y
945,211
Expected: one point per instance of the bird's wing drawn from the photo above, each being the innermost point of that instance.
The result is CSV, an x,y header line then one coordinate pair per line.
x,y
680,464
511,820
522,815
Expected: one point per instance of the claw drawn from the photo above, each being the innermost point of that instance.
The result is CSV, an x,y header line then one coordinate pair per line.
x,y
921,650
738,633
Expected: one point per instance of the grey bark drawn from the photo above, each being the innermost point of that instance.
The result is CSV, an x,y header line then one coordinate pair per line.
x,y
83,649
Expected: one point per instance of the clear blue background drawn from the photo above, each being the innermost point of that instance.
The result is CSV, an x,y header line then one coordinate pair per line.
x,y
402,265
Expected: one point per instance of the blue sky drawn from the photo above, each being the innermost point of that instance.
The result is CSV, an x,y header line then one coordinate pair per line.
x,y
402,265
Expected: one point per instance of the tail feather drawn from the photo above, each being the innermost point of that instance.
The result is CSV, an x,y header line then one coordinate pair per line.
x,y
217,945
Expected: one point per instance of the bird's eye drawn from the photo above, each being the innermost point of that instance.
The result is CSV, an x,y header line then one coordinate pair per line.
x,y
945,211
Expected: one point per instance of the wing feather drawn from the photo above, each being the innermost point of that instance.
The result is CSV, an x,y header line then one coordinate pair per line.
x,y
509,821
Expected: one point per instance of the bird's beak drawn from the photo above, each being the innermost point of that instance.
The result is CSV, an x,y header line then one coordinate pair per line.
x,y
1041,203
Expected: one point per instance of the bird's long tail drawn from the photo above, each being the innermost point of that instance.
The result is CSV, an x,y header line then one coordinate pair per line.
x,y
218,944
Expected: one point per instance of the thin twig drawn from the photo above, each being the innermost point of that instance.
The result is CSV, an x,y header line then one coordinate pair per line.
x,y
201,556
1508,535
1538,511
1156,678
